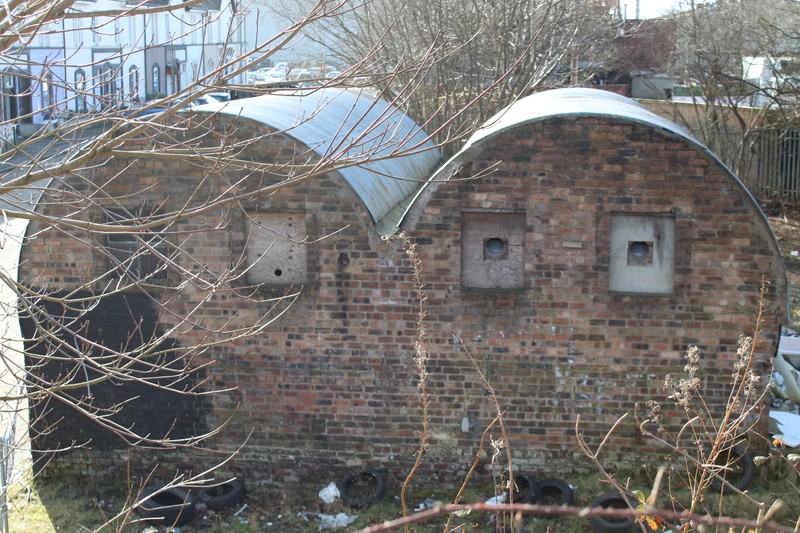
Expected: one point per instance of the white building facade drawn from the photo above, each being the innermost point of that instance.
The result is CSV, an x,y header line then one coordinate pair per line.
x,y
117,54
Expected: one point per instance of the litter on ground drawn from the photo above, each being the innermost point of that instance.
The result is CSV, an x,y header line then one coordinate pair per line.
x,y
330,493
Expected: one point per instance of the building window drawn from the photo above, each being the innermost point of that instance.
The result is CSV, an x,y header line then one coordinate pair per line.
x,y
95,31
156,80
136,256
47,103
277,249
492,246
80,91
642,254
107,85
133,83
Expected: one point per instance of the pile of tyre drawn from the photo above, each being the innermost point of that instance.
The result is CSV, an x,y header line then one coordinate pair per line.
x,y
555,492
177,506
739,473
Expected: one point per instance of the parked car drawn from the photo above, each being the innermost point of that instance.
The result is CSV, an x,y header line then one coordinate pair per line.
x,y
274,77
220,96
257,75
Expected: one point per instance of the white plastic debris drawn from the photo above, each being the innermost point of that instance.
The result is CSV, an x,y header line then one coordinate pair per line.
x,y
500,498
330,493
427,503
786,426
327,521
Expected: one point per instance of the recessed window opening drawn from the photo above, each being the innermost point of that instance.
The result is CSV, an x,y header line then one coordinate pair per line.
x,y
492,250
276,247
136,255
640,253
495,248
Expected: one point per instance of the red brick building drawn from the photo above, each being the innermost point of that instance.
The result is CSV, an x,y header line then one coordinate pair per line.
x,y
574,249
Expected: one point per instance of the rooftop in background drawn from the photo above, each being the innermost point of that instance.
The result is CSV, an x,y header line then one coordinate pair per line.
x,y
649,9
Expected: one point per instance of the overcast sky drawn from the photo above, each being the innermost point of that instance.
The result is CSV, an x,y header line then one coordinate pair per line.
x,y
649,8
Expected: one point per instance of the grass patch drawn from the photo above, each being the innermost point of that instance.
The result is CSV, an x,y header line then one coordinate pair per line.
x,y
64,507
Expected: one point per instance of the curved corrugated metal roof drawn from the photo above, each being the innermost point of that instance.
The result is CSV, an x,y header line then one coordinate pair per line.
x,y
355,128
574,101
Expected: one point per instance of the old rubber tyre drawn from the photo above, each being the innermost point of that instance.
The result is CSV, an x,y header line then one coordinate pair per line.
x,y
524,489
362,487
553,492
741,466
223,495
170,507
606,524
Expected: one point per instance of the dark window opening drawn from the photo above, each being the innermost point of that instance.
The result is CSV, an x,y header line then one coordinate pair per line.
x,y
640,253
136,255
495,248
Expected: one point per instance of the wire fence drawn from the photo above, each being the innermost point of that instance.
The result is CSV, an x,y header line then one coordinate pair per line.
x,y
7,449
774,170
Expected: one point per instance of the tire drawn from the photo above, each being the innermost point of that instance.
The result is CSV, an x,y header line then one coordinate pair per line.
x,y
524,489
553,492
741,466
605,524
224,495
170,507
362,488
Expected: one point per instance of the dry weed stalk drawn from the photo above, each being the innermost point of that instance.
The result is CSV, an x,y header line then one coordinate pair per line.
x,y
702,445
498,445
420,363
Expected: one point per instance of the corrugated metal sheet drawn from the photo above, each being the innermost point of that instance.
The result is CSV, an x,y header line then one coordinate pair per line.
x,y
574,101
361,132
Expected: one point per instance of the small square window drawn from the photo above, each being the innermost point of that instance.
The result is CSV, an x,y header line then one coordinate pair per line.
x,y
276,248
492,247
642,256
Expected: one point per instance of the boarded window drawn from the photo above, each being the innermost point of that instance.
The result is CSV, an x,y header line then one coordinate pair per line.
x,y
642,254
492,246
137,256
276,248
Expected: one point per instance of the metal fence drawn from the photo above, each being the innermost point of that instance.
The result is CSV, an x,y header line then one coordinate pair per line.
x,y
7,448
6,466
766,160
774,169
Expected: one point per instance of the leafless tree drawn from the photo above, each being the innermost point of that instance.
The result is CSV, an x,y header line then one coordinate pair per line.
x,y
449,64
451,75
479,56
739,58
79,117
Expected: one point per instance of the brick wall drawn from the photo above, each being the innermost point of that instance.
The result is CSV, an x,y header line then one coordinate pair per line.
x,y
564,345
331,382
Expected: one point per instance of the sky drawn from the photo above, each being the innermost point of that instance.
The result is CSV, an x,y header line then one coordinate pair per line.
x,y
649,8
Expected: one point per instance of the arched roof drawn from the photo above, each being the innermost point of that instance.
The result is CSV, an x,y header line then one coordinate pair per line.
x,y
574,102
583,102
359,130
